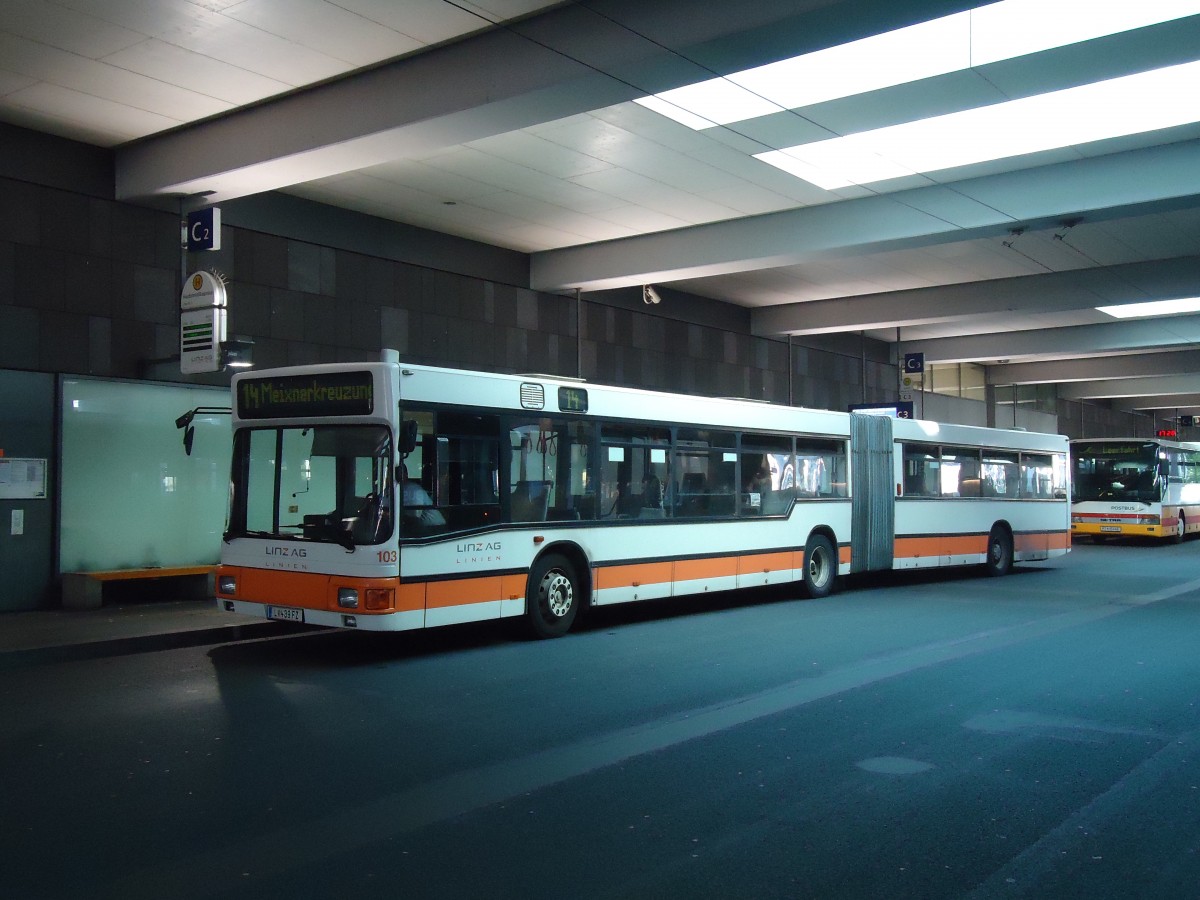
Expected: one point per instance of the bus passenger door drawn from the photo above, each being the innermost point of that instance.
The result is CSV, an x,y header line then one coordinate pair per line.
x,y
873,506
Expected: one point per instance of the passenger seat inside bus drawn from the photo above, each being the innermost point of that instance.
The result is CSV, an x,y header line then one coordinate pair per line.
x,y
530,500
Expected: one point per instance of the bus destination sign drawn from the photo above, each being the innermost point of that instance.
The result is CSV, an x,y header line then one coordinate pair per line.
x,y
326,394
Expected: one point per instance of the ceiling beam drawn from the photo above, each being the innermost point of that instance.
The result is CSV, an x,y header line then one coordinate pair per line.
x,y
1064,343
1134,365
1097,187
1186,404
1130,387
570,59
1077,289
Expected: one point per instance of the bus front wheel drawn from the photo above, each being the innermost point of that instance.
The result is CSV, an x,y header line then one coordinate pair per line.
x,y
552,600
820,566
999,551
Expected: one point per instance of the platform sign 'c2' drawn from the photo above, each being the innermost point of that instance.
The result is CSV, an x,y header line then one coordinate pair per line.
x,y
204,229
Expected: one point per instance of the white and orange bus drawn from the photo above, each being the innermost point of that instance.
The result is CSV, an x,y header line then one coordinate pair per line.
x,y
387,496
1135,487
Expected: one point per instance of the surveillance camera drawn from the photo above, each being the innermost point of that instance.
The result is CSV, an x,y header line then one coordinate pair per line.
x,y
650,295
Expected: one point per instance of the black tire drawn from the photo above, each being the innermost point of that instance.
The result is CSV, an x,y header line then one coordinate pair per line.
x,y
820,566
999,551
553,597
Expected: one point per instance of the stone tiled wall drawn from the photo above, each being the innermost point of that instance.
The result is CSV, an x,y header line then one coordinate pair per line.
x,y
91,286
87,285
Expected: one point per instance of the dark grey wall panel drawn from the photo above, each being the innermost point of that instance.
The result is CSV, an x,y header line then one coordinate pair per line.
x,y
27,416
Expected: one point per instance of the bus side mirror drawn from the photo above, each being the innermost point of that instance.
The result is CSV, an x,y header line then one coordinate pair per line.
x,y
408,436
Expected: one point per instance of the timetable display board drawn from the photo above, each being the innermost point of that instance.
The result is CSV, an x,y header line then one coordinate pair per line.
x,y
22,479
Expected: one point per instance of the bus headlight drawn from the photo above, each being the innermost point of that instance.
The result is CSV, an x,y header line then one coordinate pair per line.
x,y
227,584
348,598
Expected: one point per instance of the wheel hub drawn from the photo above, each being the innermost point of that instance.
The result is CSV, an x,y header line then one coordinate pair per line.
x,y
557,593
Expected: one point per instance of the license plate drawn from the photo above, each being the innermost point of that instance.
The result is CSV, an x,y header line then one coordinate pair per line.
x,y
1102,528
285,614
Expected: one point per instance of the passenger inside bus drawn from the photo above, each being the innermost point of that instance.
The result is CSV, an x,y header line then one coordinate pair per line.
x,y
418,505
652,498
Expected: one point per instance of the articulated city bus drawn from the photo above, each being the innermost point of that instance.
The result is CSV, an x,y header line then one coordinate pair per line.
x,y
1135,487
387,496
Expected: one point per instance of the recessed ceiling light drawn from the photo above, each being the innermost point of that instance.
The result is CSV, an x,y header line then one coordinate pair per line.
x,y
1134,104
977,37
1153,308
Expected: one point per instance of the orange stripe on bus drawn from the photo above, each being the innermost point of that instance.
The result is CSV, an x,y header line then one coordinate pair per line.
x,y
916,547
1024,543
963,544
633,575
410,597
305,589
513,587
312,590
765,562
1060,540
462,591
699,569
939,545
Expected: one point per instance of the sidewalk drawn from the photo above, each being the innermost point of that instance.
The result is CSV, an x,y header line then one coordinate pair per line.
x,y
112,630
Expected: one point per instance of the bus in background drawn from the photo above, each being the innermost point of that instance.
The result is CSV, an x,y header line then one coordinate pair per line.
x,y
385,496
1135,487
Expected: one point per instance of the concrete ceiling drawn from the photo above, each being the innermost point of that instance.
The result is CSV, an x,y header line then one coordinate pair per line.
x,y
511,122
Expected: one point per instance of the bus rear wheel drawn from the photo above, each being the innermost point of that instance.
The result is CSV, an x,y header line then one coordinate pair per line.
x,y
999,551
820,566
552,600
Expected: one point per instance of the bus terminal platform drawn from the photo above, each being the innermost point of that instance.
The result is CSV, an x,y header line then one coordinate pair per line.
x,y
113,630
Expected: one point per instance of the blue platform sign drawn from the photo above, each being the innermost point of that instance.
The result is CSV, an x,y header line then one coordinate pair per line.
x,y
914,363
204,229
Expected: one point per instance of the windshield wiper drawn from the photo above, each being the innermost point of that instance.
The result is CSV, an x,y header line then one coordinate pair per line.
x,y
328,530
230,535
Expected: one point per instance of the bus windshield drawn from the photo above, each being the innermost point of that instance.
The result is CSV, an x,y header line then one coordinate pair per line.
x,y
325,483
1116,471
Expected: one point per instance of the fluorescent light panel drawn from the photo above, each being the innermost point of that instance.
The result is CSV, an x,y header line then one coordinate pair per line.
x,y
1162,98
1153,308
998,31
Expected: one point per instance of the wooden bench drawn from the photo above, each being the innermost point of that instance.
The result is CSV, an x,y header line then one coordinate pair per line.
x,y
85,590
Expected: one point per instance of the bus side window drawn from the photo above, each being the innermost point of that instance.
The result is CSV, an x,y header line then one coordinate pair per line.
x,y
704,469
1037,476
820,468
920,470
634,471
959,475
768,474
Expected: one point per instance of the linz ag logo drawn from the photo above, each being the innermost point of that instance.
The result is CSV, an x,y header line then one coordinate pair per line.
x,y
286,551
